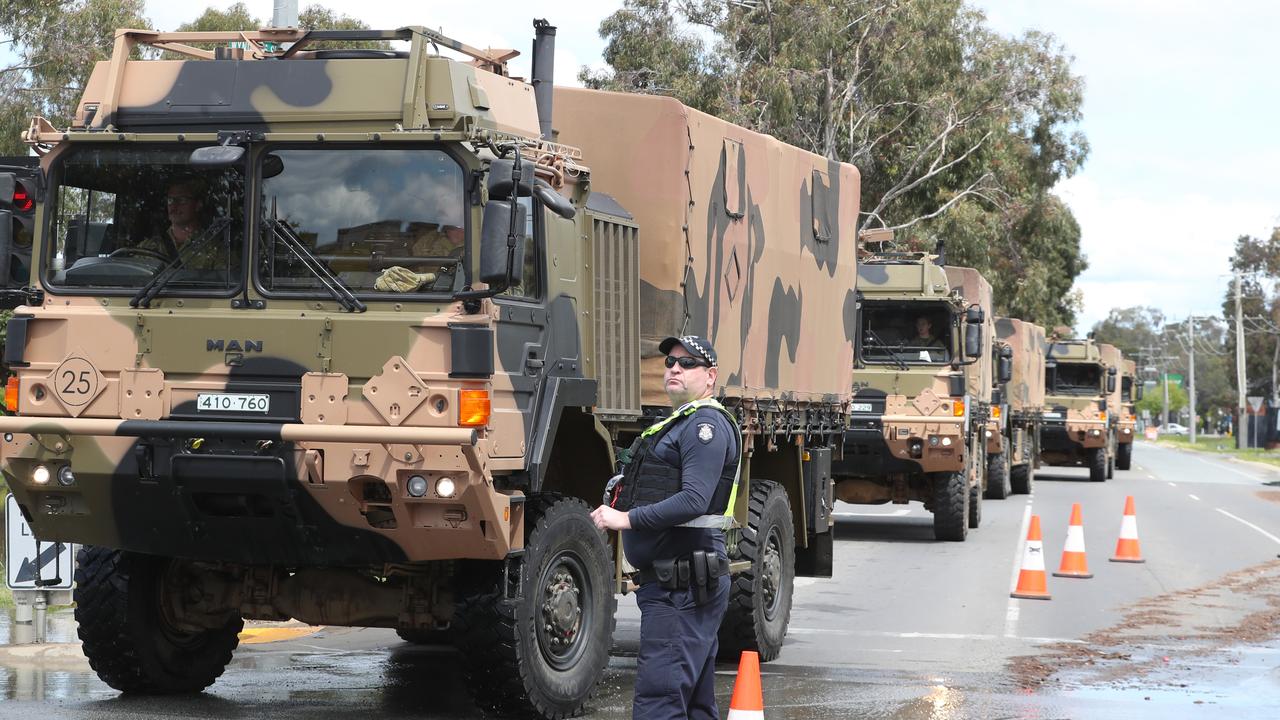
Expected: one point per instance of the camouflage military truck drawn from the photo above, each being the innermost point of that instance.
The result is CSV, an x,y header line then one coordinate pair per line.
x,y
1024,398
1076,429
913,428
20,216
1127,423
339,335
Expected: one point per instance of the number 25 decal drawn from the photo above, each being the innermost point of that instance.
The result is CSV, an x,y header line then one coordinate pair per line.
x,y
76,385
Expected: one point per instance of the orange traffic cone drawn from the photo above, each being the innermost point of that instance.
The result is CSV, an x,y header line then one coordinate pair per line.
x,y
1074,564
748,700
1127,549
1032,580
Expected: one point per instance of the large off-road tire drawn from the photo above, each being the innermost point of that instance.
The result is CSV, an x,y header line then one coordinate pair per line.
x,y
1022,479
1111,466
1124,456
998,483
128,641
1098,464
975,507
760,596
950,506
542,651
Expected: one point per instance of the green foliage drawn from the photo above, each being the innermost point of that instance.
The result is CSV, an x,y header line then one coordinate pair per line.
x,y
1258,262
959,133
1132,329
1153,400
55,43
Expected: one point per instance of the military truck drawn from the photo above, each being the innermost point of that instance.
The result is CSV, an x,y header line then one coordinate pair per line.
x,y
1127,425
1076,430
912,432
1024,398
344,336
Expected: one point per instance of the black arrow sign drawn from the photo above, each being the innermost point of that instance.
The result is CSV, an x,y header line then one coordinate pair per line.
x,y
27,572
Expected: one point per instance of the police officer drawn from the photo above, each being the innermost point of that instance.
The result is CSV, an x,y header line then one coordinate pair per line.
x,y
672,503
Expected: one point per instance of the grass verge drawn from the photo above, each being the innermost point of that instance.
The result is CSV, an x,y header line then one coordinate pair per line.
x,y
1222,445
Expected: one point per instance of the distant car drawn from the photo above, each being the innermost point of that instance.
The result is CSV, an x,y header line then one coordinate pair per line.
x,y
1173,429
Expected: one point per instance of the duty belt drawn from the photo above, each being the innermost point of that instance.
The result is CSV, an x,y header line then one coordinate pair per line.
x,y
699,572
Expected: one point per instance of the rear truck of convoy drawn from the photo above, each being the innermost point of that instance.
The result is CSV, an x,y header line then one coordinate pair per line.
x,y
380,377
1024,398
1076,430
917,408
1127,423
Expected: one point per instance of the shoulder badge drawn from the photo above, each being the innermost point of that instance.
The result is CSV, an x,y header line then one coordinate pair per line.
x,y
706,432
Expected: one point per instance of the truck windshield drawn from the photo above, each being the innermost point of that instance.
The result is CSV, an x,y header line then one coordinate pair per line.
x,y
121,215
916,333
382,221
1074,379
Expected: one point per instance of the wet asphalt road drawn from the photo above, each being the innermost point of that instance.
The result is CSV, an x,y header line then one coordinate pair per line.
x,y
907,628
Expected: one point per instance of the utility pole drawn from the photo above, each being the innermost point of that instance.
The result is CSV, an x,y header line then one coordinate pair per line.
x,y
1241,418
1164,417
1191,374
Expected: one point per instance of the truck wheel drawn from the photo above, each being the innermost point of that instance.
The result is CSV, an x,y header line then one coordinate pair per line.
x,y
541,652
1021,479
998,483
1124,456
128,640
760,596
1111,466
1098,464
950,506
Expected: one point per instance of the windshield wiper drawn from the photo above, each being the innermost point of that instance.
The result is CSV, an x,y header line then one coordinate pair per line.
x,y
148,292
893,353
282,233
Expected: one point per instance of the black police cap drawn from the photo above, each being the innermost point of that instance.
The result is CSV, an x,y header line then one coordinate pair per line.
x,y
695,345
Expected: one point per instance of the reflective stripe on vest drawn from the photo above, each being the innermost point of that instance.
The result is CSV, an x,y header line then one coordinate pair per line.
x,y
725,520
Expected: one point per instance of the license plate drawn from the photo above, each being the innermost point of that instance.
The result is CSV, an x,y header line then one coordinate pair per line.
x,y
1053,415
232,402
860,407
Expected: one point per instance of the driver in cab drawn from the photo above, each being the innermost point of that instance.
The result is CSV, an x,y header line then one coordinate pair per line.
x,y
188,218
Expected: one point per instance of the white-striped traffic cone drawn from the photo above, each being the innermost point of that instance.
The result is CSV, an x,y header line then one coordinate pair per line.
x,y
1074,564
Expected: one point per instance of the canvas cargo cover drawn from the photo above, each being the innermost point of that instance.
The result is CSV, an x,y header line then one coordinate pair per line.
x,y
744,240
976,291
1026,386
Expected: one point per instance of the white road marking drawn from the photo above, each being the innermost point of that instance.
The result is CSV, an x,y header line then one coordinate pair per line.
x,y
1246,522
920,635
893,513
1172,484
1012,610
1193,497
1224,466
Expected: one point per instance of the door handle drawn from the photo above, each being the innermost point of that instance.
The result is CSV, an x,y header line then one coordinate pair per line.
x,y
534,363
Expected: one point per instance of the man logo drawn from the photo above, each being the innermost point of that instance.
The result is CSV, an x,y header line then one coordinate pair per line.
x,y
233,350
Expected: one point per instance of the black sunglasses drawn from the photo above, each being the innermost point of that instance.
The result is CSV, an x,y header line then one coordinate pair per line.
x,y
686,362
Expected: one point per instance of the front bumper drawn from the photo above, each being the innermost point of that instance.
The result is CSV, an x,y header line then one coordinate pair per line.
x,y
880,445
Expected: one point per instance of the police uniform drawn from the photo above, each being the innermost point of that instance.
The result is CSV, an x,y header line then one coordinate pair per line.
x,y
678,490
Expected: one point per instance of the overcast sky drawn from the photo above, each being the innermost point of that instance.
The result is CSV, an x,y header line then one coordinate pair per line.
x,y
1181,104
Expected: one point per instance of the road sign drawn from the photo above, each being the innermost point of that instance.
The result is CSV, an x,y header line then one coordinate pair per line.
x,y
55,559
1255,403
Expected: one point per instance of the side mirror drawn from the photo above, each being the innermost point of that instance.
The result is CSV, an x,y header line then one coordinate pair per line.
x,y
495,266
1005,371
973,340
216,156
1111,383
974,315
1137,389
501,187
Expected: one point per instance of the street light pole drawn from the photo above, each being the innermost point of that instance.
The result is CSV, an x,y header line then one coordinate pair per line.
x,y
1241,421
1191,374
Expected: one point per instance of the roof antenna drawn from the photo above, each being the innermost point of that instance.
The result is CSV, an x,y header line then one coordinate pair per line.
x,y
940,249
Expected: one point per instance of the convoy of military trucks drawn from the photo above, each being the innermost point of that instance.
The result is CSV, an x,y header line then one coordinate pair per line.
x,y
357,337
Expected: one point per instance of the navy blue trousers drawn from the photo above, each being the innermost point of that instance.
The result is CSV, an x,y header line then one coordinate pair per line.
x,y
676,677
